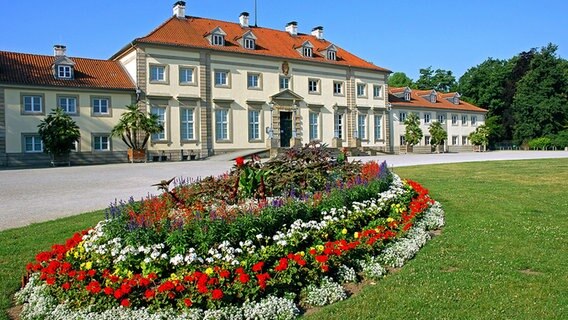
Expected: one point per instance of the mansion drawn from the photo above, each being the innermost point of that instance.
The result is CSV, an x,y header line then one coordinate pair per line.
x,y
219,87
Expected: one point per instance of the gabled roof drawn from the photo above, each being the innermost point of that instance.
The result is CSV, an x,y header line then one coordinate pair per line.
x,y
419,99
189,33
32,69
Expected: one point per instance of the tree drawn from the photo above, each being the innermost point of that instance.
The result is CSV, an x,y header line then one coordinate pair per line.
x,y
413,132
136,126
59,133
437,134
540,104
439,80
399,79
480,137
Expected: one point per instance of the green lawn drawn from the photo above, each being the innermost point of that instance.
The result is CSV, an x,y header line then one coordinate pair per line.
x,y
502,255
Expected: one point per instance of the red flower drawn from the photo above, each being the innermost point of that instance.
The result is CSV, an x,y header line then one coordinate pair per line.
x,y
240,161
202,289
149,294
244,278
50,281
240,270
301,262
224,274
217,294
118,294
262,278
93,287
66,286
282,265
125,303
321,259
187,302
325,268
108,291
313,252
180,288
258,267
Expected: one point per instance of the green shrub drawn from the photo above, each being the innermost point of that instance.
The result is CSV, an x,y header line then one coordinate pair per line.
x,y
542,143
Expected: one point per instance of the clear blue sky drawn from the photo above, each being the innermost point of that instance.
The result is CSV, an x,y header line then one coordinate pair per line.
x,y
398,35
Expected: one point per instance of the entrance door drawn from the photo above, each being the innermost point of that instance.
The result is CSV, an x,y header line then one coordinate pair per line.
x,y
285,129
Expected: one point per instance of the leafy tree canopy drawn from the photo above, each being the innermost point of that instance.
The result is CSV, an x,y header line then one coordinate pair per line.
x,y
135,127
58,132
439,80
437,133
413,132
399,79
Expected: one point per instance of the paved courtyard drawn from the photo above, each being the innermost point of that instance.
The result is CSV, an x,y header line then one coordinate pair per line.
x,y
35,195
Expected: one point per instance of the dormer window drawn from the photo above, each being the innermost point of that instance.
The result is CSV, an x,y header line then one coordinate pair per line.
x,y
407,96
433,97
64,72
456,100
331,55
249,43
218,40
307,52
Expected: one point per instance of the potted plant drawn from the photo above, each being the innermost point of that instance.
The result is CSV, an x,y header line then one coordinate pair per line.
x,y
437,135
59,133
134,128
479,138
413,132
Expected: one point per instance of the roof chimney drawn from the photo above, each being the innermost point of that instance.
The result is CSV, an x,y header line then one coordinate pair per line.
x,y
179,9
318,32
292,28
244,19
59,50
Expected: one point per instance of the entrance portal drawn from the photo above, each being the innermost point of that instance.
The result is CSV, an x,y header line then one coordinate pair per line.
x,y
285,129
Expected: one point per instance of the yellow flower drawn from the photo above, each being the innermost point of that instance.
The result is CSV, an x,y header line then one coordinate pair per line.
x,y
389,219
302,253
174,276
209,271
319,247
356,235
344,231
76,254
88,265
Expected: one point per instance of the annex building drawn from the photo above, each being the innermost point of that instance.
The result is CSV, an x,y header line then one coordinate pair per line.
x,y
217,87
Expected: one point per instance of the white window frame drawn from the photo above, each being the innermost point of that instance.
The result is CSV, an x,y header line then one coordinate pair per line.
x,y
427,140
249,43
338,88
36,142
65,106
185,73
442,118
313,120
402,116
187,124
101,142
473,121
377,91
338,126
64,72
222,124
454,119
464,140
407,96
217,39
427,117
158,73
402,140
378,119
362,126
254,125
313,86
361,90
254,80
307,52
464,120
284,80
331,55
220,75
32,103
455,140
97,107
161,112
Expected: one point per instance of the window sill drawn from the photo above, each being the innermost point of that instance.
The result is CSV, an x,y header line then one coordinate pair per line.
x,y
188,84
159,82
224,141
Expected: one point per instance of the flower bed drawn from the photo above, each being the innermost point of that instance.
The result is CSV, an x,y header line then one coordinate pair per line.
x,y
252,244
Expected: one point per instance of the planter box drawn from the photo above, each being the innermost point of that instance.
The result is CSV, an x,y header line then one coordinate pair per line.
x,y
136,155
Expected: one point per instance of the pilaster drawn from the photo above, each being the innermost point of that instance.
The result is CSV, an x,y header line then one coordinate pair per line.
x,y
206,112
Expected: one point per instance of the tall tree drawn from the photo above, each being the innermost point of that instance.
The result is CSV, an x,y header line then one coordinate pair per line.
x,y
540,103
399,79
440,80
437,134
413,132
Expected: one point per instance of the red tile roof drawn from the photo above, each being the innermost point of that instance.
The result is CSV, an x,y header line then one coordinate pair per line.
x,y
418,101
191,32
32,69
